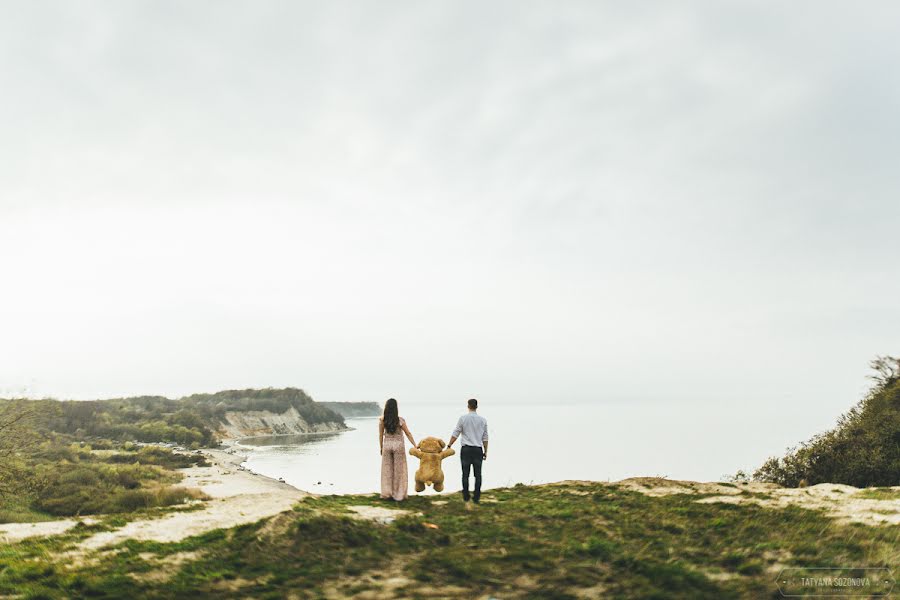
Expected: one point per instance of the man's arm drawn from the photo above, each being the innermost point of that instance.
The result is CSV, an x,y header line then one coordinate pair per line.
x,y
484,454
456,431
484,442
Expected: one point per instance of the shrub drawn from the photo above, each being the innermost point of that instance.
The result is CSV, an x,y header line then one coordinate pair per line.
x,y
131,500
863,450
178,495
154,455
91,488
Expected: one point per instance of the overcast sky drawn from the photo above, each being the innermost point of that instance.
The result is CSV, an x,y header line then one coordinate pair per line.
x,y
520,201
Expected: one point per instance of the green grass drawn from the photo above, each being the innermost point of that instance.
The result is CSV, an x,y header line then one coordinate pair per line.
x,y
18,509
523,542
71,479
875,493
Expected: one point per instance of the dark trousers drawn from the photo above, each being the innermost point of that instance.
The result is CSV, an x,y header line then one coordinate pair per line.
x,y
470,457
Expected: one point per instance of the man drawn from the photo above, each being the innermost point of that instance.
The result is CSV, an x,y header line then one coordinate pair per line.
x,y
472,431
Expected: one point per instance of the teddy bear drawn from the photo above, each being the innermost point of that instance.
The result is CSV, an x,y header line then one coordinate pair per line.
x,y
430,453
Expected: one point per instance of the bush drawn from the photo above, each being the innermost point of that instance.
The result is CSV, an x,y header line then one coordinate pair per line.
x,y
92,488
178,495
154,455
863,450
131,500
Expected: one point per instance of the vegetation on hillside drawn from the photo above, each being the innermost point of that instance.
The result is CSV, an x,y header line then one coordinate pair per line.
x,y
563,542
18,438
863,450
190,421
81,480
61,477
80,458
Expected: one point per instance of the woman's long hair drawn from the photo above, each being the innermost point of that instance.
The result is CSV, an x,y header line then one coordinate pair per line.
x,y
391,416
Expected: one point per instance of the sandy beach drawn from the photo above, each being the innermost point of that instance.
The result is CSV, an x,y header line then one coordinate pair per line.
x,y
237,496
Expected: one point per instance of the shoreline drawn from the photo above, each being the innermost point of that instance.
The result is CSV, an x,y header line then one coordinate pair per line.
x,y
236,441
233,439
237,496
230,456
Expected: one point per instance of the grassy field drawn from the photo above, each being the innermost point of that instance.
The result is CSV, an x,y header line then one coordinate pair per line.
x,y
574,540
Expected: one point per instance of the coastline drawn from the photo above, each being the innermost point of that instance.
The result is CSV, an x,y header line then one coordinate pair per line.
x,y
237,496
236,442
231,432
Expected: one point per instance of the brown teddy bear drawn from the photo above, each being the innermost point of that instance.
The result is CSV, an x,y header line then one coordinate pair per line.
x,y
430,452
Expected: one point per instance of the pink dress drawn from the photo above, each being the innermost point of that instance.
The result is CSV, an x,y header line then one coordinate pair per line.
x,y
394,478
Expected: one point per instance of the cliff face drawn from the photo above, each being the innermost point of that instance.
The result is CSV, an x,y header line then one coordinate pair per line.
x,y
238,424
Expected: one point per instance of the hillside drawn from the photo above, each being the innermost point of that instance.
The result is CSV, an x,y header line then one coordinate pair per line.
x,y
634,539
862,450
196,420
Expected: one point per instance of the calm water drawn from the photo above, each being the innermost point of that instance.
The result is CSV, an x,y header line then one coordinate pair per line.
x,y
539,444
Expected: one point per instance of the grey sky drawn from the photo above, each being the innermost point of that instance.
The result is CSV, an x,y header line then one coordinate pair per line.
x,y
517,200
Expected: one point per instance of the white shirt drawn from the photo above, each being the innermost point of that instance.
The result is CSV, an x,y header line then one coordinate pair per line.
x,y
471,429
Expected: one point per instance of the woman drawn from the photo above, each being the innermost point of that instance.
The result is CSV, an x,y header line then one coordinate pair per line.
x,y
394,480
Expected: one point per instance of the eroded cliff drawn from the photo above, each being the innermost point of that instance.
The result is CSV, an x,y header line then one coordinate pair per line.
x,y
238,424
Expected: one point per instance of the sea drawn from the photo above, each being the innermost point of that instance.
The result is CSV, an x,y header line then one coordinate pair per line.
x,y
537,444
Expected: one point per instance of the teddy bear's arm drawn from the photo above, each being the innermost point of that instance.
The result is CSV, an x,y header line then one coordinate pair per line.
x,y
415,452
447,452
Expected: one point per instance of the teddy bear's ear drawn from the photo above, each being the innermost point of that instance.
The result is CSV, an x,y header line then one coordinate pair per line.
x,y
441,442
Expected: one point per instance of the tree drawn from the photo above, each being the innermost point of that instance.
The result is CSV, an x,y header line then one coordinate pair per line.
x,y
17,438
887,370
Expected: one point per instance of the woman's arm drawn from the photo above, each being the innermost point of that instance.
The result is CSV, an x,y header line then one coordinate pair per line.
x,y
380,436
408,434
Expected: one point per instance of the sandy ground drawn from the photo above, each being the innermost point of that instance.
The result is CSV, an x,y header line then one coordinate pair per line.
x,y
237,497
13,532
842,502
377,513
